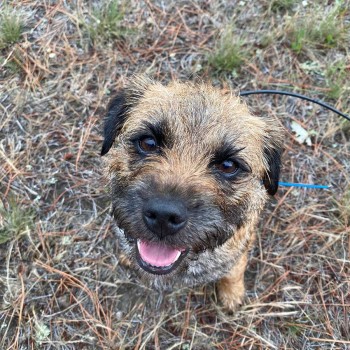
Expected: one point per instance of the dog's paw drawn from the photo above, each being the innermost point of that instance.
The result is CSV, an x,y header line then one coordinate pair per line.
x,y
231,295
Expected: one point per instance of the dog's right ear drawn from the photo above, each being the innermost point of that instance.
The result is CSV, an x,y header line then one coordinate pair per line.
x,y
271,177
118,108
114,121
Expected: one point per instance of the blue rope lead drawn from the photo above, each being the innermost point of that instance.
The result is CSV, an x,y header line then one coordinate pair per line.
x,y
290,184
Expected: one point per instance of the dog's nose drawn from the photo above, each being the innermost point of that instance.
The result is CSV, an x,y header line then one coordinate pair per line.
x,y
164,216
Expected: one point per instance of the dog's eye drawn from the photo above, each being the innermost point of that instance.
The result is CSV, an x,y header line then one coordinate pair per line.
x,y
148,144
228,167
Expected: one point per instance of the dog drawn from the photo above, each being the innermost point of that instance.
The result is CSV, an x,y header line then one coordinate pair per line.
x,y
189,175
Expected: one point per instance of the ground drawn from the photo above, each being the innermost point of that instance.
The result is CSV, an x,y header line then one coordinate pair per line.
x,y
61,283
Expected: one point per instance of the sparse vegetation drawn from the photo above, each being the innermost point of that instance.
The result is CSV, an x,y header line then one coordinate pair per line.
x,y
228,54
10,66
318,29
61,284
11,26
281,5
105,21
337,78
14,221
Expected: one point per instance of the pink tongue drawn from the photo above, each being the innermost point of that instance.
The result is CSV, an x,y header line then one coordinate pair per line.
x,y
157,254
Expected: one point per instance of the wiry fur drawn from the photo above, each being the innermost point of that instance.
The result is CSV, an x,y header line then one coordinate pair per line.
x,y
197,123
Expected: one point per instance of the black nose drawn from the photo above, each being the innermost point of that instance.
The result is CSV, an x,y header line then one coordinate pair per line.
x,y
164,216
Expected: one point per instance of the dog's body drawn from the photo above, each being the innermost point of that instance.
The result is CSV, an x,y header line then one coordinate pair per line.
x,y
189,176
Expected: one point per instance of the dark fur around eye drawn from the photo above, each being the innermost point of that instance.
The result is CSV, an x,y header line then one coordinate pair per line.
x,y
228,153
158,130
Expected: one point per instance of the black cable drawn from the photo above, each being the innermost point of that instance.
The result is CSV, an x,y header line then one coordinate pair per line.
x,y
286,93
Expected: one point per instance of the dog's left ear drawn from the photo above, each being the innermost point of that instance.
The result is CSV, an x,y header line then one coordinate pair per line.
x,y
114,121
273,158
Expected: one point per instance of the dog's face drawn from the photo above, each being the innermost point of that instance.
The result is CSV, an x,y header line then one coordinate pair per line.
x,y
191,167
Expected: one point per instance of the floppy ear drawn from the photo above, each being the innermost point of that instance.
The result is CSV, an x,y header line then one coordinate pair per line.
x,y
118,109
115,118
271,177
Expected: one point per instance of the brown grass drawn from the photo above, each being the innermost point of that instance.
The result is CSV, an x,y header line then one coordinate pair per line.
x,y
61,285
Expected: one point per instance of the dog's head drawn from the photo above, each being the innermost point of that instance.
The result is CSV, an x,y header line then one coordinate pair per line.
x,y
190,167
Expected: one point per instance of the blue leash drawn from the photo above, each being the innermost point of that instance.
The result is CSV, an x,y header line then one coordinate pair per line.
x,y
290,184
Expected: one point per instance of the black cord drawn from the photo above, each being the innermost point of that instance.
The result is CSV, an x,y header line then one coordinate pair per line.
x,y
286,93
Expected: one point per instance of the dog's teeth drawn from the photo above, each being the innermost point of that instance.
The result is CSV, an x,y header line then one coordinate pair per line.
x,y
158,267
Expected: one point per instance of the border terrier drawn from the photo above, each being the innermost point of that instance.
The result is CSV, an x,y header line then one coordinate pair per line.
x,y
190,173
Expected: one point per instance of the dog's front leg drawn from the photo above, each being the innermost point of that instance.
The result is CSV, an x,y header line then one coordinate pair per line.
x,y
231,287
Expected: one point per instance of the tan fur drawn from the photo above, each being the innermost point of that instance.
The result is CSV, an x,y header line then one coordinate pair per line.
x,y
231,287
199,120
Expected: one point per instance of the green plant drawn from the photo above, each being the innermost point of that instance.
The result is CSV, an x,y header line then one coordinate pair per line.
x,y
228,55
281,5
11,27
11,66
298,40
323,31
14,221
104,22
337,77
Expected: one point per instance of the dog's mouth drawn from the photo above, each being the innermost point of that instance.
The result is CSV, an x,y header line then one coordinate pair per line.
x,y
157,258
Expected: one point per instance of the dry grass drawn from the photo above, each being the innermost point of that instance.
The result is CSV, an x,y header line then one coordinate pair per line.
x,y
61,285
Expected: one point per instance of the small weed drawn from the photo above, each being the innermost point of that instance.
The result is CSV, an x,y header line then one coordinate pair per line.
x,y
104,23
14,221
229,54
294,330
10,66
11,27
266,40
336,77
281,5
298,40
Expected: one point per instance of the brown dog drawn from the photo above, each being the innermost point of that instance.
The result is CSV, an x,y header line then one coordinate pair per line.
x,y
189,175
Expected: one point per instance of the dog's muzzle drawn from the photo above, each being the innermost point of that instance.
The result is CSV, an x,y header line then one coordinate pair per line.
x,y
163,216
